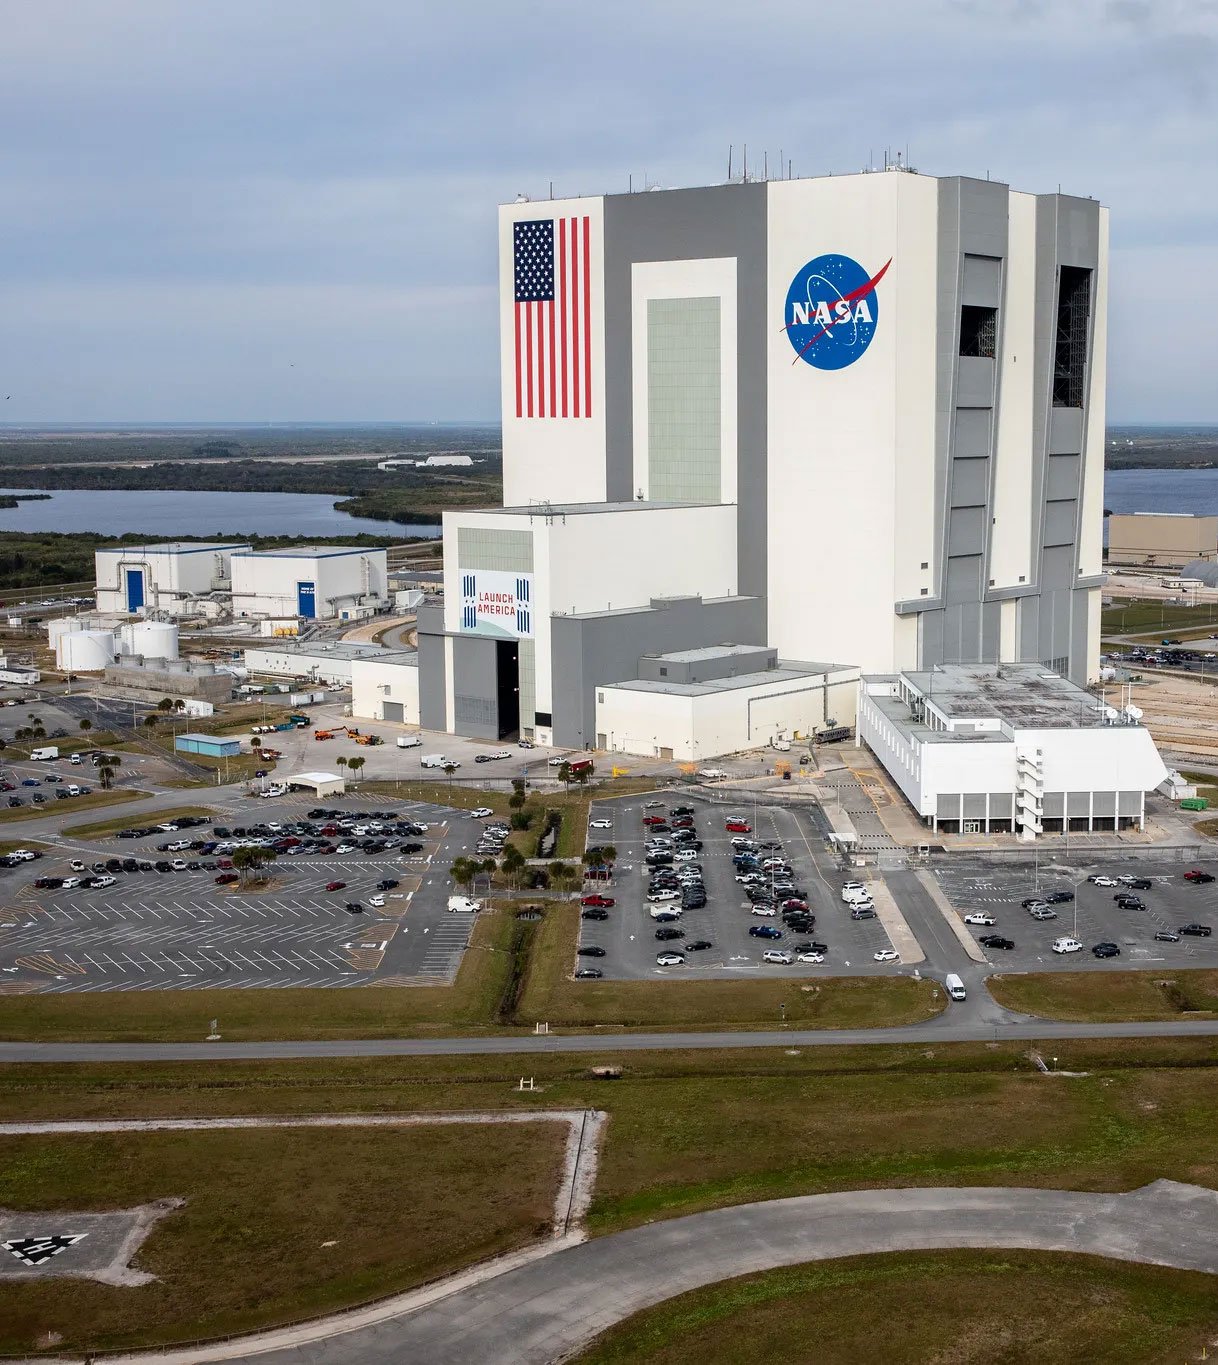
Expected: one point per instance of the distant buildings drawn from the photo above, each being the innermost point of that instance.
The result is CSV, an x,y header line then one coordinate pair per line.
x,y
1161,539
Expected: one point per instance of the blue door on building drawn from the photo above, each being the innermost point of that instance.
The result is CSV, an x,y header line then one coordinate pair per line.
x,y
306,600
135,589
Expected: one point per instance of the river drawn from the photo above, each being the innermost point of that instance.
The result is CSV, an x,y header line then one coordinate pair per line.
x,y
1162,490
169,513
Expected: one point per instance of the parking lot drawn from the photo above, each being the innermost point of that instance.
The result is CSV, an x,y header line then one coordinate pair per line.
x,y
628,935
1092,917
179,930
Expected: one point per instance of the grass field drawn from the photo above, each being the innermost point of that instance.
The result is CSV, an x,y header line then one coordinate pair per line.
x,y
117,796
1109,996
103,827
692,1131
9,845
963,1307
551,995
1133,616
513,974
246,1250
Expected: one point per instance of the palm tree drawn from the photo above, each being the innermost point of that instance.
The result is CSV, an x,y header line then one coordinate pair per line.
x,y
252,859
105,770
513,864
341,761
86,725
356,763
463,871
449,769
165,704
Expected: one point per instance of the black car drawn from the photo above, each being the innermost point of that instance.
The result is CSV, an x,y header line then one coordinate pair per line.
x,y
698,945
692,902
665,935
1138,883
1034,900
589,974
14,801
386,884
39,799
595,914
163,866
354,908
809,947
1106,950
591,950
1062,897
1196,930
996,941
1130,902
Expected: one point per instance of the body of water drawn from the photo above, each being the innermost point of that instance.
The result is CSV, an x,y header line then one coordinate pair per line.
x,y
169,513
1162,490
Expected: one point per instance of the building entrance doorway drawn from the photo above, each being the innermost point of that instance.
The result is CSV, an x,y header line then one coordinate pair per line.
x,y
507,688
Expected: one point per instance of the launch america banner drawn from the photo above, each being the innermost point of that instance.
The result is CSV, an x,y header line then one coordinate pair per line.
x,y
497,603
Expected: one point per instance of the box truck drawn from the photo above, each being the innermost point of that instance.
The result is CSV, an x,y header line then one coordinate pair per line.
x,y
45,754
409,742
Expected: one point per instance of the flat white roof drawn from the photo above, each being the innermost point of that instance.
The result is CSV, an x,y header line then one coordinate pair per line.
x,y
310,777
174,547
311,552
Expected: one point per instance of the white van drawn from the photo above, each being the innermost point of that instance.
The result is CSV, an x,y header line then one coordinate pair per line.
x,y
410,742
1067,945
955,987
855,895
463,905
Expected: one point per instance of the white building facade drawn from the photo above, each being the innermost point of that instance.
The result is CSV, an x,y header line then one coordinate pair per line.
x,y
386,689
1012,749
164,578
315,582
866,411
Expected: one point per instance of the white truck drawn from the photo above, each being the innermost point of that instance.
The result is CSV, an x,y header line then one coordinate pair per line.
x,y
955,987
437,761
463,905
409,742
45,754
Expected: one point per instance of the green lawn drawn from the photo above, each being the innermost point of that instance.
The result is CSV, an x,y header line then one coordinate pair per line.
x,y
1109,996
963,1307
1134,616
116,796
277,1225
103,827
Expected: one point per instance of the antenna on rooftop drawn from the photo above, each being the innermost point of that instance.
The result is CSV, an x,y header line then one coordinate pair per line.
x,y
729,163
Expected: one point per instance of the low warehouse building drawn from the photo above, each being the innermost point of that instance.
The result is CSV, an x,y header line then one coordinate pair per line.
x,y
1008,748
320,784
386,689
170,678
702,703
211,746
318,660
316,582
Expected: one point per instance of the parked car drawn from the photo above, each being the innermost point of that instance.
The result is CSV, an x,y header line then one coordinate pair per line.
x,y
670,959
584,973
1196,930
1106,950
1067,945
590,950
336,886
595,899
764,931
1166,936
886,955
1196,876
979,917
778,956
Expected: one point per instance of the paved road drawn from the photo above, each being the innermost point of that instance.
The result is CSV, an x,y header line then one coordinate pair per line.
x,y
551,1307
936,1031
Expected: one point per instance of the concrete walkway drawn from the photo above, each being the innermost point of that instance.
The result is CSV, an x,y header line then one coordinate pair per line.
x,y
549,1308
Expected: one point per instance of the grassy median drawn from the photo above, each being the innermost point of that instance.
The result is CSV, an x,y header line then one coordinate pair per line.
x,y
1110,997
100,828
277,1225
966,1307
117,796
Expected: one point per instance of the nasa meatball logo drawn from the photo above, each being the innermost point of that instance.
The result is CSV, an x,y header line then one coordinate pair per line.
x,y
832,311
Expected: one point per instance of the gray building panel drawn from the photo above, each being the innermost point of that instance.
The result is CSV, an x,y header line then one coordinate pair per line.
x,y
475,694
697,224
605,647
432,671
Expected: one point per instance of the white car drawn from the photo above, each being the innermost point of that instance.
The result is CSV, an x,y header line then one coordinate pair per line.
x,y
979,917
854,886
76,865
345,848
809,957
652,805
600,824
1103,881
767,910
748,878
480,812
777,955
24,854
886,955
685,855
1067,945
378,901
178,865
667,894
104,881
670,959
663,911
69,883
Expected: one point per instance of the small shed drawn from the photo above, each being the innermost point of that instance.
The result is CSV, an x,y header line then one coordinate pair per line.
x,y
211,746
322,784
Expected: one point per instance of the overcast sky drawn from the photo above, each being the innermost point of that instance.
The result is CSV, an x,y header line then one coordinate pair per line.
x,y
285,209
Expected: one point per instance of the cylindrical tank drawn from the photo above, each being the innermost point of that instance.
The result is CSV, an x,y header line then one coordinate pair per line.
x,y
62,625
156,638
85,651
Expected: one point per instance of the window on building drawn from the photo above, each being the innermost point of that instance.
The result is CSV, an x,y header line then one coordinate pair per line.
x,y
1070,354
978,331
543,718
663,673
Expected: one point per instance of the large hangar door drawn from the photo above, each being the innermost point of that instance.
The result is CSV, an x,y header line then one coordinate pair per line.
x,y
507,687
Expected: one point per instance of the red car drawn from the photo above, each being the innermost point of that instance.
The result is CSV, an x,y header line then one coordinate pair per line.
x,y
602,902
738,827
227,879
683,822
794,904
225,863
335,886
654,820
1196,875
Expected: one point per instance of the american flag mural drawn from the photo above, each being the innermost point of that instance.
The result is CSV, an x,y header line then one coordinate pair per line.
x,y
551,270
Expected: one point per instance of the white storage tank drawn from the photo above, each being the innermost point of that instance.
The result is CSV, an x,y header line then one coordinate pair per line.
x,y
61,626
85,651
155,639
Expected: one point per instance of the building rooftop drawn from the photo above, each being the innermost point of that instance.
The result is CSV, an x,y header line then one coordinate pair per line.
x,y
693,656
582,509
327,649
308,552
175,547
1005,697
656,604
788,670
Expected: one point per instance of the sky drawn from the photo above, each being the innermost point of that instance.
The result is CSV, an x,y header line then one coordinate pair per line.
x,y
285,210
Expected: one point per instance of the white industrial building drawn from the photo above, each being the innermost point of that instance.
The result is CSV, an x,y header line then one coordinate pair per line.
x,y
316,582
316,660
386,688
699,703
168,578
857,418
1008,749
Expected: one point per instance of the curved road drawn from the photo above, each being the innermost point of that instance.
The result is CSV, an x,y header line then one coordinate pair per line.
x,y
940,1030
550,1307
